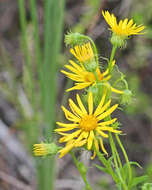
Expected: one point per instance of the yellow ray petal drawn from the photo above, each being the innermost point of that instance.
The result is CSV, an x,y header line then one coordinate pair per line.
x,y
85,134
72,69
90,140
113,62
108,112
96,147
65,150
64,134
81,104
101,133
79,68
72,76
107,78
102,109
69,115
64,129
79,86
79,138
107,122
109,129
101,103
75,54
90,103
94,155
106,72
130,23
72,135
116,91
102,146
81,143
62,139
67,124
75,107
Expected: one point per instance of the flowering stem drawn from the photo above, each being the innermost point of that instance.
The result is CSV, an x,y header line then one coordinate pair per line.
x,y
83,175
123,80
94,48
114,48
109,168
125,155
115,161
96,76
126,84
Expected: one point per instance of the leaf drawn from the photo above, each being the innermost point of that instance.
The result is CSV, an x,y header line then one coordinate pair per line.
x,y
147,186
102,159
124,170
102,168
138,180
136,164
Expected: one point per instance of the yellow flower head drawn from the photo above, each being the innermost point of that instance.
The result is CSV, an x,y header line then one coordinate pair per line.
x,y
84,78
44,149
86,127
41,149
124,28
83,53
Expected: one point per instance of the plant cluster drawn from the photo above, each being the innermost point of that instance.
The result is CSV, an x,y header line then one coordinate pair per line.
x,y
89,121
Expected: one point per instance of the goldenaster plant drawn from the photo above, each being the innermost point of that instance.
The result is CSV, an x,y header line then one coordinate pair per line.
x,y
87,127
89,122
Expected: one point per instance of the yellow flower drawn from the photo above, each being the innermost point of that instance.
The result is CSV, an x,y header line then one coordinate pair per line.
x,y
124,28
83,53
86,127
84,78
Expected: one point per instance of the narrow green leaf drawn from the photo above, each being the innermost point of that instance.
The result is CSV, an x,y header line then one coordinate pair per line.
x,y
138,180
102,168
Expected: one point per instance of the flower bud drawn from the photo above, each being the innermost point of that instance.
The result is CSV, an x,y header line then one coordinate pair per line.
x,y
44,149
119,41
95,91
91,66
126,97
74,39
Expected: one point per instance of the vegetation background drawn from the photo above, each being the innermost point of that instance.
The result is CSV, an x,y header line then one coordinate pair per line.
x,y
32,51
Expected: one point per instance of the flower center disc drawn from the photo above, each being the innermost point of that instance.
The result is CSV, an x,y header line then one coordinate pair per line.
x,y
88,123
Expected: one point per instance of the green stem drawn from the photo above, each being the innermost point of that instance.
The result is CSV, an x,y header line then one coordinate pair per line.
x,y
33,11
125,155
109,168
53,25
94,49
123,80
22,16
117,155
126,84
114,48
28,67
116,163
23,23
96,76
88,187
